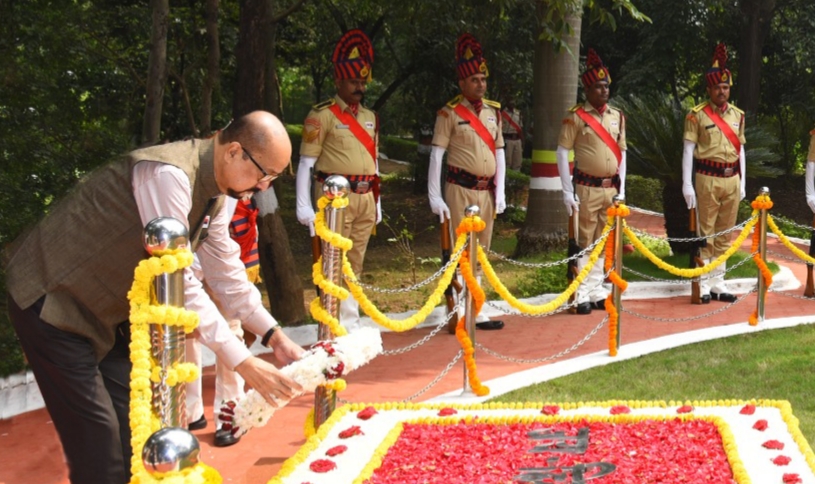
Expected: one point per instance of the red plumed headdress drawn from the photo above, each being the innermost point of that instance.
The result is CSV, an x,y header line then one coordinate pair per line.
x,y
718,72
595,70
469,58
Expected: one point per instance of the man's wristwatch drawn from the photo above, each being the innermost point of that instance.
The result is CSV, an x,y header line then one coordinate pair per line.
x,y
266,337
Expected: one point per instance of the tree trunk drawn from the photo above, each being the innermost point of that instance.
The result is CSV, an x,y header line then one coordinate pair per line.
x,y
755,27
677,218
156,72
280,277
274,102
212,76
555,80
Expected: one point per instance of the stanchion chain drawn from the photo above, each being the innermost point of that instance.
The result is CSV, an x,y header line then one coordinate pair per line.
x,y
453,260
541,265
548,358
691,318
442,324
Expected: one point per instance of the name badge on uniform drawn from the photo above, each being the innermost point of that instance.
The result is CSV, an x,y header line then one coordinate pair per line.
x,y
735,125
614,123
205,222
342,126
369,124
491,119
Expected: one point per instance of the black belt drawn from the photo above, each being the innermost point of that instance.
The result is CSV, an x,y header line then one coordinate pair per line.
x,y
465,179
511,136
585,179
717,169
360,184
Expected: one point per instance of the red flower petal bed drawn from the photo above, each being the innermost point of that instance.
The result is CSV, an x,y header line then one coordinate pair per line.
x,y
647,451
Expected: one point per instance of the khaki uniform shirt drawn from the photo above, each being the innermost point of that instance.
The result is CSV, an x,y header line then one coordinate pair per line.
x,y
516,117
711,143
591,154
465,149
334,145
811,156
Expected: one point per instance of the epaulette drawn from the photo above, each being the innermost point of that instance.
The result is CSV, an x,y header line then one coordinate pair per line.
x,y
325,104
491,103
455,101
737,109
574,108
699,107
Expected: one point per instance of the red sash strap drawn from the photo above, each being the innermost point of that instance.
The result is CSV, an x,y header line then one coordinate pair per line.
x,y
356,129
602,133
511,122
476,123
724,127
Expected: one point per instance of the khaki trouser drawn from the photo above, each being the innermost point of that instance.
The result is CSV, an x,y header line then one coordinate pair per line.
x,y
718,205
592,218
514,153
360,219
458,198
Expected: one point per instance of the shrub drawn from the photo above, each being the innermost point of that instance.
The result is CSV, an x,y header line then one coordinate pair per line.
x,y
398,148
644,192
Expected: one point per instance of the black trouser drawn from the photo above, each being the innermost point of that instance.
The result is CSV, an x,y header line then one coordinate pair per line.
x,y
88,400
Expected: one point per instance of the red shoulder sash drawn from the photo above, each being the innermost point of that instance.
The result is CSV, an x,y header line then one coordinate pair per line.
x,y
724,127
601,131
356,129
476,123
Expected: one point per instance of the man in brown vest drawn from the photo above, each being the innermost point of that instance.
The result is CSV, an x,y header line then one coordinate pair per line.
x,y
68,279
714,153
468,128
341,137
596,133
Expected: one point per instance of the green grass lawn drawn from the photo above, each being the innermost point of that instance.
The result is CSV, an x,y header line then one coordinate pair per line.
x,y
773,364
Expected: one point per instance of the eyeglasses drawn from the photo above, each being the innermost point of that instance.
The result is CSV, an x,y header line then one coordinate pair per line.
x,y
267,177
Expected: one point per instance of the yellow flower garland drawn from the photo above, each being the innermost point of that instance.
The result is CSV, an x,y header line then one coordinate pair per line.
x,y
323,316
787,243
463,337
411,322
699,271
323,231
762,202
143,422
621,211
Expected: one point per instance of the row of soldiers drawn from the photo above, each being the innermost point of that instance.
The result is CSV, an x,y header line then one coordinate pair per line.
x,y
340,137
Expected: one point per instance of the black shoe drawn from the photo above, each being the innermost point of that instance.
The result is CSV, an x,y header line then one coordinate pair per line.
x,y
723,296
490,325
584,308
599,304
705,299
224,438
199,424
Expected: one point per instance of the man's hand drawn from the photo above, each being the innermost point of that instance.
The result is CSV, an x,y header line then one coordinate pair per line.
x,y
811,203
440,208
285,350
268,381
690,195
571,201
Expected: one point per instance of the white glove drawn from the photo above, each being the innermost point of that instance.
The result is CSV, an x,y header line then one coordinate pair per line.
x,y
569,198
809,183
571,201
621,172
500,180
305,212
687,174
743,173
437,204
378,211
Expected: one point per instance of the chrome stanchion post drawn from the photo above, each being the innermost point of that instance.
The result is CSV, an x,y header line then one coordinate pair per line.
x,y
469,309
762,252
335,187
168,342
617,293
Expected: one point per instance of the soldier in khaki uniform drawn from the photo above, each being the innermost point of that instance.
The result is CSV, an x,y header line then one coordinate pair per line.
x,y
341,137
513,135
714,153
596,133
468,128
810,173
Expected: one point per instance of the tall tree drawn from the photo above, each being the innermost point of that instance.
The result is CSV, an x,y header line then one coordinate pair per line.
x,y
157,72
755,28
212,74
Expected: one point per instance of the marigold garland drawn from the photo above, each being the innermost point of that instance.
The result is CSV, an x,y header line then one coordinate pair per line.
x,y
533,309
787,243
699,271
766,274
143,421
411,322
478,296
323,231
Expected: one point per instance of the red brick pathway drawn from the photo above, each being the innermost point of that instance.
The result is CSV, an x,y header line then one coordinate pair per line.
x,y
30,452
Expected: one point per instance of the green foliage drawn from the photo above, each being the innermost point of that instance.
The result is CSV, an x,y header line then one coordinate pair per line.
x,y
644,192
296,136
546,280
515,187
398,148
12,360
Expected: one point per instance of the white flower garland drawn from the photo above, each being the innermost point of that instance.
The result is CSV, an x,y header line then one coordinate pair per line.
x,y
349,353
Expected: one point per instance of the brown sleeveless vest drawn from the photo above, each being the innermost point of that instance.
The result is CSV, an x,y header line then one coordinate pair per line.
x,y
81,256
